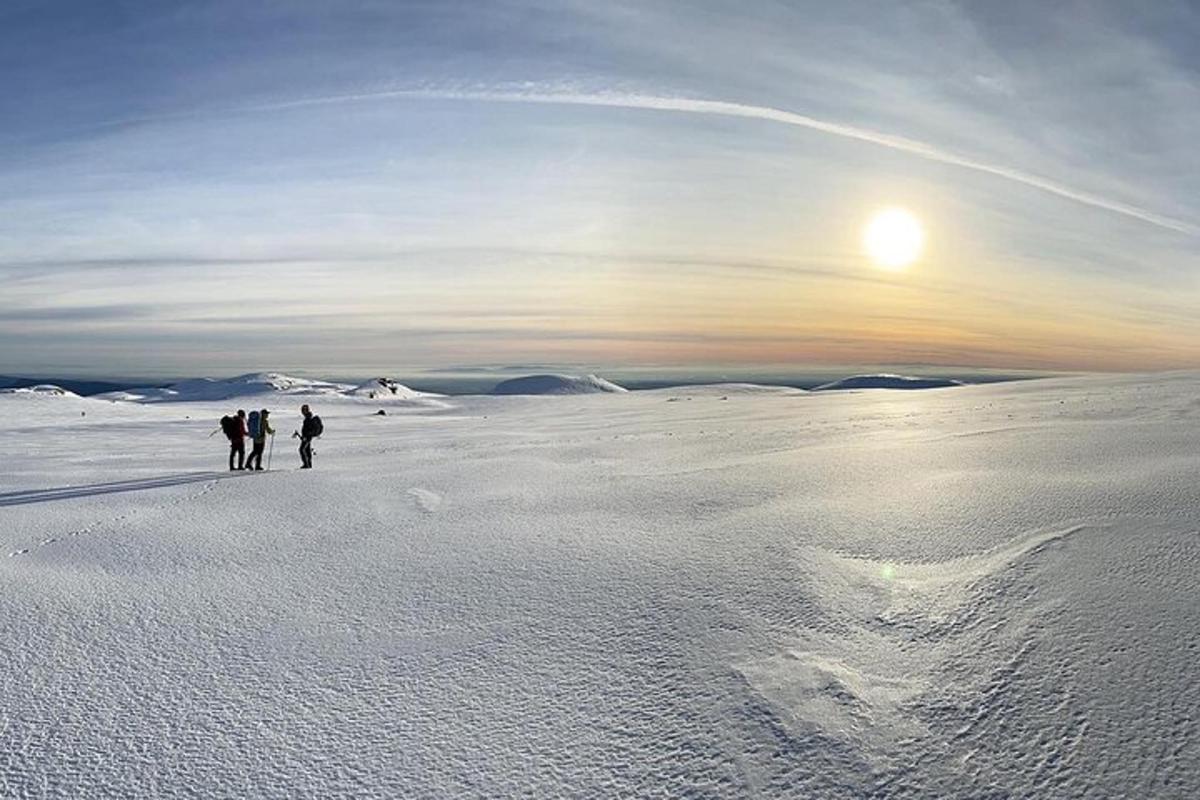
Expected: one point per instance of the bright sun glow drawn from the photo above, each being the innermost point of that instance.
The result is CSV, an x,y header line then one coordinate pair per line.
x,y
893,238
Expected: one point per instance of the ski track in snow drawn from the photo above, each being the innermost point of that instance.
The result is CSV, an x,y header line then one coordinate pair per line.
x,y
972,592
114,523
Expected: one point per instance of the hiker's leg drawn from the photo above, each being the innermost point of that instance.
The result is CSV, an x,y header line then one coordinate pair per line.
x,y
232,450
241,451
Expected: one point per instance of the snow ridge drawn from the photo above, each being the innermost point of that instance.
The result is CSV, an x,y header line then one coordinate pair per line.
x,y
885,380
557,384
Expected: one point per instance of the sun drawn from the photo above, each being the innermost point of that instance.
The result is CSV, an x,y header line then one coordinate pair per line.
x,y
893,238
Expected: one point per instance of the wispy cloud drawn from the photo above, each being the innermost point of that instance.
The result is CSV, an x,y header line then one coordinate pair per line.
x,y
766,114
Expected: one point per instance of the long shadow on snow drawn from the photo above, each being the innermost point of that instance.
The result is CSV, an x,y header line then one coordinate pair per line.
x,y
89,490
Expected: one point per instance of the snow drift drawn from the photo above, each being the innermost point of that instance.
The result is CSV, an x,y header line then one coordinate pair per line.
x,y
887,381
557,384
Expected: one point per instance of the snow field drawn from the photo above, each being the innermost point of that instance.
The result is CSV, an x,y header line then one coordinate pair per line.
x,y
966,592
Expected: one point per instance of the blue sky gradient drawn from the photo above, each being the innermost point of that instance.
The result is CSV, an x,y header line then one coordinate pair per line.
x,y
209,188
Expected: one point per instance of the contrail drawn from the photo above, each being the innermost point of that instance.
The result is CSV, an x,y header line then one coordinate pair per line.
x,y
718,108
767,114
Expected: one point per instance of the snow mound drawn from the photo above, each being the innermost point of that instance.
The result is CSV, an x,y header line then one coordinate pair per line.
x,y
210,389
557,384
385,388
887,381
41,390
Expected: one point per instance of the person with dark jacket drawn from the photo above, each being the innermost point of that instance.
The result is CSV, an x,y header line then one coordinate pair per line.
x,y
254,462
237,440
310,429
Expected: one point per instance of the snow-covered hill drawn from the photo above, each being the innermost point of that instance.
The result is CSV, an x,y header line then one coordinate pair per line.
x,y
886,381
386,388
40,390
557,384
985,592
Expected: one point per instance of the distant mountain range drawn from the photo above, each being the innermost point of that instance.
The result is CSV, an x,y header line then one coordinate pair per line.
x,y
386,388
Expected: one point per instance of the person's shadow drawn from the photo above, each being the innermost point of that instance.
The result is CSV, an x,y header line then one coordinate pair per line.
x,y
90,490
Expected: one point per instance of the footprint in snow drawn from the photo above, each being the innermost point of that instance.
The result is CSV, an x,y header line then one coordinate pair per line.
x,y
427,501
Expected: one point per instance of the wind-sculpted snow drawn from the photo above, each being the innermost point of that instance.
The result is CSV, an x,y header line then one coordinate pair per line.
x,y
988,592
557,384
885,381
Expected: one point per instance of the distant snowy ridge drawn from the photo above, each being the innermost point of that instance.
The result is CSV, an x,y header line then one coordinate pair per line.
x,y
41,390
266,385
557,384
209,389
887,381
727,389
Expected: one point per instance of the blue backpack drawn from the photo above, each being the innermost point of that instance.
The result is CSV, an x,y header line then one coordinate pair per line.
x,y
254,426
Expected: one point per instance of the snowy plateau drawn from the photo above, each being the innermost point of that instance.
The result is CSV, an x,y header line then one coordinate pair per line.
x,y
983,591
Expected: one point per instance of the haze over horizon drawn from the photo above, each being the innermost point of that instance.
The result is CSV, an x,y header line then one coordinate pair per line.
x,y
220,189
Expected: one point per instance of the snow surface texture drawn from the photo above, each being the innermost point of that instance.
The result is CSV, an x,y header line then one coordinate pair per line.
x,y
557,384
985,592
885,381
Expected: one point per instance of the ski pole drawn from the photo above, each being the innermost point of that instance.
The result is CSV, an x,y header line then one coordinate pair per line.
x,y
270,452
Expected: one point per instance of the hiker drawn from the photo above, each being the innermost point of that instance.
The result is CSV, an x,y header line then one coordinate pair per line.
x,y
235,431
260,429
310,429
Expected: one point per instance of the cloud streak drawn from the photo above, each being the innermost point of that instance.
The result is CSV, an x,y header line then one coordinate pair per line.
x,y
766,114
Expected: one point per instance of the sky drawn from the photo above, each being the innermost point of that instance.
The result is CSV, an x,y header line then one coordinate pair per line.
x,y
208,188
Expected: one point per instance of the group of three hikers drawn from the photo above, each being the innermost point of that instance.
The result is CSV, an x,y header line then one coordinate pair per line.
x,y
257,427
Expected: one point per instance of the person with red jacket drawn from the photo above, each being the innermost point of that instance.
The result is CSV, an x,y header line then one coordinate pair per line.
x,y
237,440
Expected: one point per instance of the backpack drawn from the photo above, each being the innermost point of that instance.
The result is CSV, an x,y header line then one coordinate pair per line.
x,y
318,426
254,427
230,426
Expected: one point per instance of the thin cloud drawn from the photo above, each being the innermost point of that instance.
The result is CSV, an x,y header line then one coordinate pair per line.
x,y
766,114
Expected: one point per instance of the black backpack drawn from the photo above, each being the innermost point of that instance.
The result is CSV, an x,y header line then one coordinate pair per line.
x,y
230,426
317,426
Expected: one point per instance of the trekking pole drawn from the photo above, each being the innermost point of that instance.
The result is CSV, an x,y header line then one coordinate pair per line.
x,y
270,452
